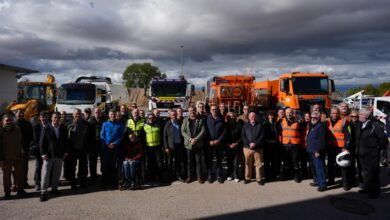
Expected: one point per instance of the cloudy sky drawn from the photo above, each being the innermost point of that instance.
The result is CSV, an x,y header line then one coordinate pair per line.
x,y
348,39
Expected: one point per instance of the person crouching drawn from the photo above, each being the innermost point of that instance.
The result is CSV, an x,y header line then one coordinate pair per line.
x,y
133,153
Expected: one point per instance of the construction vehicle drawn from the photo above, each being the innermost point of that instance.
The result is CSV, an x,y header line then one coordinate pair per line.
x,y
90,92
165,94
34,97
381,108
358,100
234,91
295,90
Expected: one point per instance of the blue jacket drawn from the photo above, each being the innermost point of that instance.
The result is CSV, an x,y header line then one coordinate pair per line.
x,y
316,138
216,128
112,132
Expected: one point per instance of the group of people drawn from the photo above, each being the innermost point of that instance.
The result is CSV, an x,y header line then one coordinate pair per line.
x,y
134,148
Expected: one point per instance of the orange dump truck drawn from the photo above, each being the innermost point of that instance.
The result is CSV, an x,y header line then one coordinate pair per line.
x,y
295,90
233,91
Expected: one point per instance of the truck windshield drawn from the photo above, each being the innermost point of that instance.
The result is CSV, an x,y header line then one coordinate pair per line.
x,y
76,96
310,85
169,89
32,92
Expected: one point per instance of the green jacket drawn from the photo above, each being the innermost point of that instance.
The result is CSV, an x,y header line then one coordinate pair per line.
x,y
200,132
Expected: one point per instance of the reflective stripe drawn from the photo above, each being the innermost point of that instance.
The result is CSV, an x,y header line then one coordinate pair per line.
x,y
152,135
336,136
136,127
290,134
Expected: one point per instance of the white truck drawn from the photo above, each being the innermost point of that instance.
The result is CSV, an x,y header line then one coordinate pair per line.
x,y
381,108
165,94
90,92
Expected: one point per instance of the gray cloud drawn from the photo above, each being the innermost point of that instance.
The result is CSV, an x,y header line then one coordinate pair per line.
x,y
349,39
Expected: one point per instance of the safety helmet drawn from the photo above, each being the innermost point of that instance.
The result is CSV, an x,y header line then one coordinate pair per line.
x,y
344,159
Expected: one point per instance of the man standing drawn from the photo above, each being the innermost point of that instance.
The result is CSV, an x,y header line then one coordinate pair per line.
x,y
53,145
11,156
370,139
78,141
193,131
234,155
111,135
95,147
27,134
216,127
37,129
315,142
338,140
174,147
272,151
252,136
344,111
291,141
154,155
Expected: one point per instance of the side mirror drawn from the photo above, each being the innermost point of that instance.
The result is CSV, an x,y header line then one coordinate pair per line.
x,y
333,87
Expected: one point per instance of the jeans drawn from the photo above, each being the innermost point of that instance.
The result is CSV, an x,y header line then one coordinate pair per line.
x,y
319,165
129,169
51,168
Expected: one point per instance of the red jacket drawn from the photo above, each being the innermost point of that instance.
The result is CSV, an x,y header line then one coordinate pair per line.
x,y
132,151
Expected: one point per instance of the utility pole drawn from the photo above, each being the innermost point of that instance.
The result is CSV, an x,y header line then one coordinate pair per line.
x,y
181,59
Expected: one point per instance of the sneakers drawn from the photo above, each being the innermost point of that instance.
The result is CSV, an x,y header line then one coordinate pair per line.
x,y
236,180
246,181
43,198
230,178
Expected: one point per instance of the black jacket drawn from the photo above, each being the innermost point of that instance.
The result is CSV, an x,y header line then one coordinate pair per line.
x,y
52,146
169,135
216,128
233,132
27,132
370,139
271,132
253,134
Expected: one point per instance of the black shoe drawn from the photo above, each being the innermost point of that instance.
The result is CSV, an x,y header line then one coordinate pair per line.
x,y
246,181
330,182
210,179
27,186
21,193
347,188
297,179
55,192
261,182
7,196
220,180
38,187
43,198
321,189
73,187
313,184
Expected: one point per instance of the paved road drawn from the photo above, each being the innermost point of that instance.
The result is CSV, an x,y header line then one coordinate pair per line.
x,y
277,200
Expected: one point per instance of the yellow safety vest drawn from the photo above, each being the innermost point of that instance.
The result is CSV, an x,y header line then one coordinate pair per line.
x,y
136,127
152,135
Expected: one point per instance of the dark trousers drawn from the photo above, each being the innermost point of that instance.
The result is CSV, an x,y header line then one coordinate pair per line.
x,y
109,166
71,165
176,161
303,160
235,162
8,165
154,164
370,172
195,157
347,173
272,160
26,157
333,169
319,165
216,151
38,169
93,153
290,161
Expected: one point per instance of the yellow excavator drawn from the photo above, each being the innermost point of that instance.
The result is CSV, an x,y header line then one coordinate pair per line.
x,y
34,97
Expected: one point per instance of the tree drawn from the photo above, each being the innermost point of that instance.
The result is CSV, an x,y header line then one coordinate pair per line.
x,y
140,74
383,87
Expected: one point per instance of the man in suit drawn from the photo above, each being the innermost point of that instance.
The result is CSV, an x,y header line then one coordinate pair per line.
x,y
37,129
53,146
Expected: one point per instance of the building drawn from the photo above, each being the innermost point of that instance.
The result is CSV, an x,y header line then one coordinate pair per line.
x,y
8,78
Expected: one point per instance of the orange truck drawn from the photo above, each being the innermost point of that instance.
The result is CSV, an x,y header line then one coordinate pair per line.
x,y
233,91
295,90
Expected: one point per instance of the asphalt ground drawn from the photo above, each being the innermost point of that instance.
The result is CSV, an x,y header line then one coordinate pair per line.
x,y
230,200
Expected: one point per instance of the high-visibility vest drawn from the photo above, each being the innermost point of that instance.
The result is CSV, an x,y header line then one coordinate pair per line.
x,y
152,135
305,132
336,136
290,134
136,127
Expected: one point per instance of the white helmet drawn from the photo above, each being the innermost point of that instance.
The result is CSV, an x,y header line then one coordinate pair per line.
x,y
344,159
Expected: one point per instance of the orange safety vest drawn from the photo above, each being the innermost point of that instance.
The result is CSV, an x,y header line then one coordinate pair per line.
x,y
304,136
290,134
336,136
